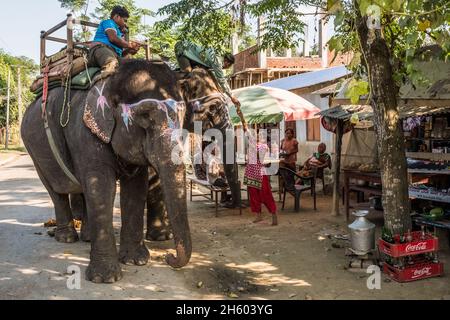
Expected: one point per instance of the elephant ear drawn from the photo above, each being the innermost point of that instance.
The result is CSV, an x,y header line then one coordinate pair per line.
x,y
98,113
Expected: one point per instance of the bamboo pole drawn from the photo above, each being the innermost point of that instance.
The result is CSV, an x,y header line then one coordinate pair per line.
x,y
19,102
7,109
42,48
70,38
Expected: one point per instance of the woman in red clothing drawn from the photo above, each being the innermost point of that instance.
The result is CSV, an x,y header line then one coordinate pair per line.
x,y
257,181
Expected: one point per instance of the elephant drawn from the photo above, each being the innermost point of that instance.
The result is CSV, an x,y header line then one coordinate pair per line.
x,y
158,225
115,131
206,104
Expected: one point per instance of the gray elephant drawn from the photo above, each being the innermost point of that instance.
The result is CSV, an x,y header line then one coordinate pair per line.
x,y
115,131
158,225
206,104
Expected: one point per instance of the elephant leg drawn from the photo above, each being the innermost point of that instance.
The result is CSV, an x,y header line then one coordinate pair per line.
x,y
77,205
65,231
99,191
84,233
158,227
231,172
133,194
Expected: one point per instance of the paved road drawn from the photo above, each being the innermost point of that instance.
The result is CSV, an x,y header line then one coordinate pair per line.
x,y
34,266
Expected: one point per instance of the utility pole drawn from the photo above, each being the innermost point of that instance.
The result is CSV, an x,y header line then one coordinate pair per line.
x,y
7,109
19,102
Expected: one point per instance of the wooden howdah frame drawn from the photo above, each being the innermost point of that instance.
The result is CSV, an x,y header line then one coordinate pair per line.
x,y
69,24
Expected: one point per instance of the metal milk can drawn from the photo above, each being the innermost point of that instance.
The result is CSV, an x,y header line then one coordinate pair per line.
x,y
362,233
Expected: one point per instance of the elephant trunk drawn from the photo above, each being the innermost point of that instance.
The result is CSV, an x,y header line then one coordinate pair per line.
x,y
177,211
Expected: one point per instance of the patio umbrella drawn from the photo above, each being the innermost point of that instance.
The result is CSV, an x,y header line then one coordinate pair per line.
x,y
271,105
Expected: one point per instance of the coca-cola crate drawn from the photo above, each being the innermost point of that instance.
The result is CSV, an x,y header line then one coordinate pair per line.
x,y
414,272
429,243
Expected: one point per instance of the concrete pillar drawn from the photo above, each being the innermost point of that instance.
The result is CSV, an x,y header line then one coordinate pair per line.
x,y
306,45
262,55
323,49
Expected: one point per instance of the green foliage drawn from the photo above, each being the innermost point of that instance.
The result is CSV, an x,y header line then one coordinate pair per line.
x,y
74,5
163,42
208,23
406,26
136,27
27,72
283,25
356,89
103,12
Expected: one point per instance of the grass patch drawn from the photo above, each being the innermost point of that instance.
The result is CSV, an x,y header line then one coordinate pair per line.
x,y
12,148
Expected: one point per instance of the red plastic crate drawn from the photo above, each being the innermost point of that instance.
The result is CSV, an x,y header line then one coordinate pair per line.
x,y
414,272
416,246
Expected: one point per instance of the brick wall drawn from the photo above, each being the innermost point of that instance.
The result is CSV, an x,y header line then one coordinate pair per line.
x,y
296,62
245,59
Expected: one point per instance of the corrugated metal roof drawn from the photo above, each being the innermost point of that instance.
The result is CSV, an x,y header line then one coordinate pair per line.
x,y
411,110
309,78
332,89
365,112
344,112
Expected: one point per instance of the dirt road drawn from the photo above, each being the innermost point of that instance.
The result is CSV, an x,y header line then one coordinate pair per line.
x,y
232,258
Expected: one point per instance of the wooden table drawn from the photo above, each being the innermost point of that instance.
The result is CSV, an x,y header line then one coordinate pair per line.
x,y
373,177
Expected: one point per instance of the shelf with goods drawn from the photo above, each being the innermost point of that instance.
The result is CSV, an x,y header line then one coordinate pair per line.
x,y
428,154
425,194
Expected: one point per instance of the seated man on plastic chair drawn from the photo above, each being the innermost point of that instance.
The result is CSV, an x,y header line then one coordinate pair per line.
x,y
315,165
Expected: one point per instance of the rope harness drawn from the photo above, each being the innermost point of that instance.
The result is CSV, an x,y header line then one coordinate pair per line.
x,y
48,132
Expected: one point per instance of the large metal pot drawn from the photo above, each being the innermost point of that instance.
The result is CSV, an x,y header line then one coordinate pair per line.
x,y
362,233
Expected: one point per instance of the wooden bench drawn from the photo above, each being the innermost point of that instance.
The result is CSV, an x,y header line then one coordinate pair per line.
x,y
213,194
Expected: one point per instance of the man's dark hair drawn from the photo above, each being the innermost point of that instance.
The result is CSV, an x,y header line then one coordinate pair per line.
x,y
289,129
229,57
121,11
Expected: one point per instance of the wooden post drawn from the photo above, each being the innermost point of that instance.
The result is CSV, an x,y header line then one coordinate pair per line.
x,y
7,109
70,38
147,49
42,48
19,102
337,167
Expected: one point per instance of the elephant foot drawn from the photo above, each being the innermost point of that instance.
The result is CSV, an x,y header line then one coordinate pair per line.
x,y
66,234
84,233
161,234
138,256
103,272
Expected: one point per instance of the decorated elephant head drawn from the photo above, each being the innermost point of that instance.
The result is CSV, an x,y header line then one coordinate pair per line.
x,y
204,101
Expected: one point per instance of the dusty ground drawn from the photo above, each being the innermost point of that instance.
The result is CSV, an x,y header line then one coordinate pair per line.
x,y
232,257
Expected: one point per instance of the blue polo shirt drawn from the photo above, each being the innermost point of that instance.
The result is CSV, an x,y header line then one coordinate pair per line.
x,y
101,36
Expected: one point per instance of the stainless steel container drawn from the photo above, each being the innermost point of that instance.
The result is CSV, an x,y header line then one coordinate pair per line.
x,y
362,233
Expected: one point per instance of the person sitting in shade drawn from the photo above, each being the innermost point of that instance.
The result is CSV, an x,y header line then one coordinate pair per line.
x,y
319,159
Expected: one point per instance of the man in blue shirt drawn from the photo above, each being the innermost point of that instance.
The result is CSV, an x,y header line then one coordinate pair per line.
x,y
109,44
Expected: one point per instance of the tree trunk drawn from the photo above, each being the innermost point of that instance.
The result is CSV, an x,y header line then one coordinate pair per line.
x,y
390,139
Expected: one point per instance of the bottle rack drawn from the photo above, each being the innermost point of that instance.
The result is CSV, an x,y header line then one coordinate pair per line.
x,y
414,259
